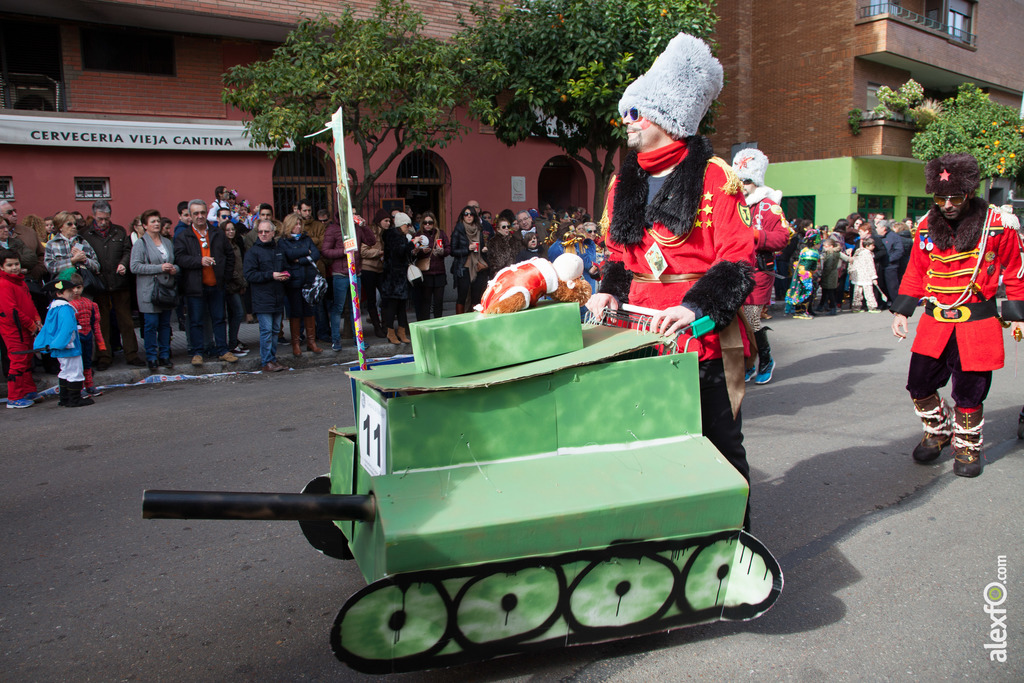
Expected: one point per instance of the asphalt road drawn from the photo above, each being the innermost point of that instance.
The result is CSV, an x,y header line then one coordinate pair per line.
x,y
885,561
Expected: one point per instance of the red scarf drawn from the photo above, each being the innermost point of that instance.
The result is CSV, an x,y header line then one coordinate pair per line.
x,y
657,160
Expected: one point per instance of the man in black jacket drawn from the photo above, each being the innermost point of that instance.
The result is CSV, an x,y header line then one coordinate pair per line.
x,y
114,251
206,261
264,270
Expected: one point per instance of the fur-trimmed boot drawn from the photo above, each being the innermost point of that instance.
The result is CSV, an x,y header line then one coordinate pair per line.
x,y
936,421
311,335
296,329
967,442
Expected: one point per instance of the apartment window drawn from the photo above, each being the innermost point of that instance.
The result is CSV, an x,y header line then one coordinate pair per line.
x,y
872,99
798,206
6,188
958,19
918,206
30,60
92,188
875,203
129,51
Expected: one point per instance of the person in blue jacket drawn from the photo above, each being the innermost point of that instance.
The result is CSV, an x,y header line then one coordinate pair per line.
x,y
59,338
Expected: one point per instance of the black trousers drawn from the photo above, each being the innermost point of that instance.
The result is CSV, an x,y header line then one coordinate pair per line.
x,y
927,375
717,422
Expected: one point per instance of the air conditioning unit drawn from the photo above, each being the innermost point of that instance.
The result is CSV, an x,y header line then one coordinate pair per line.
x,y
34,92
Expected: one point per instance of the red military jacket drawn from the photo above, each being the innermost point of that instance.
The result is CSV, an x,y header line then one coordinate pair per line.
x,y
721,233
945,274
771,234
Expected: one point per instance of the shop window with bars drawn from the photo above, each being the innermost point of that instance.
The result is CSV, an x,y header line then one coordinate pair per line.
x,y
92,188
6,187
798,206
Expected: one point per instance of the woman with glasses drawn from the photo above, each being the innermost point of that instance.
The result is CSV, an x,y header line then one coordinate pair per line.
x,y
502,247
430,297
68,248
468,265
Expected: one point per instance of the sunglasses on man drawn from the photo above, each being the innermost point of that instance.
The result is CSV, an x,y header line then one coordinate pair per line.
x,y
632,114
954,199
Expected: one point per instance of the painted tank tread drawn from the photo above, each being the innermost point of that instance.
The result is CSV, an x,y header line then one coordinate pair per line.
x,y
439,618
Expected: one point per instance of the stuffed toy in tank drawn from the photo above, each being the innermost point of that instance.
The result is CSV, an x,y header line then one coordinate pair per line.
x,y
521,285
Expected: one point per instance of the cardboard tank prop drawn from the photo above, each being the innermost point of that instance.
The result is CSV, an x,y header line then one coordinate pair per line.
x,y
526,482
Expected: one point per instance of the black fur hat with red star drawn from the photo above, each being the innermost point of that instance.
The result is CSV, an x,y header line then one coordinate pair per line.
x,y
952,174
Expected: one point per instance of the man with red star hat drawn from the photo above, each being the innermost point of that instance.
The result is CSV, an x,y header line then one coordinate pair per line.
x,y
960,249
679,238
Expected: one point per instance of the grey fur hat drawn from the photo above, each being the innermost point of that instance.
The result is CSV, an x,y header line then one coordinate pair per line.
x,y
679,88
750,164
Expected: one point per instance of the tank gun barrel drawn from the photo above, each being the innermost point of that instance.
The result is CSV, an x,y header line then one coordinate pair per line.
x,y
264,506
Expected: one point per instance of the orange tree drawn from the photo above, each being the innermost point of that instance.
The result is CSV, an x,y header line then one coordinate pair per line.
x,y
973,123
557,68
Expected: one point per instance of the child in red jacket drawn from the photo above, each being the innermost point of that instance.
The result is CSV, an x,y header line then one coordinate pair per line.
x,y
19,322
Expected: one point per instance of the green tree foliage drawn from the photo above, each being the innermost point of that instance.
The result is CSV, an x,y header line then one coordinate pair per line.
x,y
558,68
973,123
392,82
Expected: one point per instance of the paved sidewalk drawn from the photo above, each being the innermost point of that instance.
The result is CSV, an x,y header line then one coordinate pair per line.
x,y
122,373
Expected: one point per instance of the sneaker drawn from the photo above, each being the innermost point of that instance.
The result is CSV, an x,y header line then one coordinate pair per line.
x,y
31,396
749,374
197,360
765,376
20,403
240,349
336,346
92,391
229,357
802,316
874,310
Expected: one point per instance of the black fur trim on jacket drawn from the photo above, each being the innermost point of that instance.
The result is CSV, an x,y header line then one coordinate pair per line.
x,y
615,280
968,228
675,206
904,305
722,290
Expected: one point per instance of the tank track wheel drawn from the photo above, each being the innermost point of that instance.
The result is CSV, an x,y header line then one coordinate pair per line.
x,y
325,536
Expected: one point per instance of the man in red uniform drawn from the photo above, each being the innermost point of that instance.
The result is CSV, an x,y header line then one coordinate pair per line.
x,y
679,238
960,249
771,233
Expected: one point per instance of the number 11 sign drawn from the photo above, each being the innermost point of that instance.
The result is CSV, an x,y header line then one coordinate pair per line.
x,y
373,430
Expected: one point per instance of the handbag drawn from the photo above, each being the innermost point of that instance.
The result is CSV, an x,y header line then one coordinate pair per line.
x,y
423,263
163,295
414,274
315,290
90,280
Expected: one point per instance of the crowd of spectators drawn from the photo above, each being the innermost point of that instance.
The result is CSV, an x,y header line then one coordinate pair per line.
x,y
218,263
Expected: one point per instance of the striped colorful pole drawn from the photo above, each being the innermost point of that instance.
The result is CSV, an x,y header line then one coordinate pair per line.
x,y
348,229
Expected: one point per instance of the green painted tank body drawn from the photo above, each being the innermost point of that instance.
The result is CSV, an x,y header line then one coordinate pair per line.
x,y
563,500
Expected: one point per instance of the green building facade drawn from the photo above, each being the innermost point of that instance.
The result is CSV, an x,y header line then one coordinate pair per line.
x,y
826,190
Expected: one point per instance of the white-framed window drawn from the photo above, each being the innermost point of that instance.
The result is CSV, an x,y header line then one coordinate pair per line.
x,y
7,188
92,188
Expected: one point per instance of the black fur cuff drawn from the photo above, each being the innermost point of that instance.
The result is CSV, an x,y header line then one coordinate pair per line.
x,y
722,290
1013,310
615,280
904,305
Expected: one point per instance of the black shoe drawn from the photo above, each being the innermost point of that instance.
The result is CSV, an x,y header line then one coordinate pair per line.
x,y
102,364
151,364
165,363
137,362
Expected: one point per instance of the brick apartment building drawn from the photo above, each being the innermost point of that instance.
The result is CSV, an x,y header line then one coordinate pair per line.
x,y
121,99
795,70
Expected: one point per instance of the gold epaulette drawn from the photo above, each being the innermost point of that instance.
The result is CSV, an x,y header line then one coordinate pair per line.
x,y
606,221
732,181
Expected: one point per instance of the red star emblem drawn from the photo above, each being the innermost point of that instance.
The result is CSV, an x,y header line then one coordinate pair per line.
x,y
944,175
742,163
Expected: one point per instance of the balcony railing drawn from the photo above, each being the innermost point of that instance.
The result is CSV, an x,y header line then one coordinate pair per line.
x,y
894,10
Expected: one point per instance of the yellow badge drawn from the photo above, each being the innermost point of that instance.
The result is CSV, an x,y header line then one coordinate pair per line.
x,y
776,209
990,256
745,214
